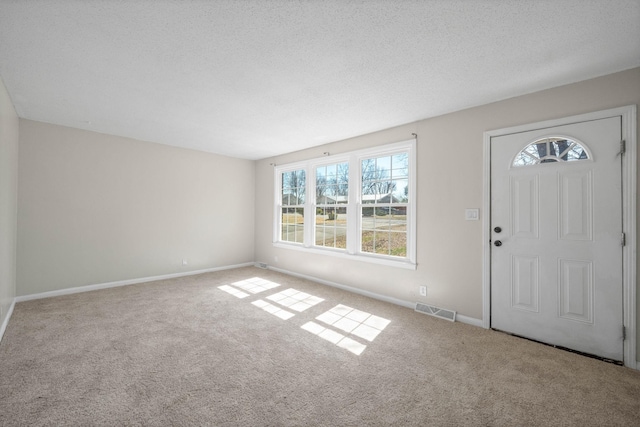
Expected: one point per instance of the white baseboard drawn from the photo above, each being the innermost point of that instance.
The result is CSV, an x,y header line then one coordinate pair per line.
x,y
96,287
469,320
460,318
5,322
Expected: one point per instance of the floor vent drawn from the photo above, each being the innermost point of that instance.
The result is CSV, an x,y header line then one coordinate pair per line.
x,y
262,265
442,313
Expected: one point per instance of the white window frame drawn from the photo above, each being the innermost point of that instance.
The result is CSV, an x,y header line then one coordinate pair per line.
x,y
354,206
278,213
326,161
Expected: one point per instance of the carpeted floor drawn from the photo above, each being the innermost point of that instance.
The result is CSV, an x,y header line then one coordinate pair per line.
x,y
185,352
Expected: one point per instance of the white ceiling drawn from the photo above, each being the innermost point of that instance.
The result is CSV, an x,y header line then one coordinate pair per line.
x,y
257,78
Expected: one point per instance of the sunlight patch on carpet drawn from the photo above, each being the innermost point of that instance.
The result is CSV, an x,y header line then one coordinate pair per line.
x,y
359,323
270,308
295,300
334,337
233,291
255,285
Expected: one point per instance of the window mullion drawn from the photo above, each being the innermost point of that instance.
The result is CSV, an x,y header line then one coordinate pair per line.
x,y
353,206
277,227
310,208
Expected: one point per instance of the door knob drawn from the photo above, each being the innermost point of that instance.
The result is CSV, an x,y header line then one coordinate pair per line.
x,y
497,229
497,243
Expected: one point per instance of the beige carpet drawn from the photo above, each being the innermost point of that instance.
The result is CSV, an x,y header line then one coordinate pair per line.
x,y
184,352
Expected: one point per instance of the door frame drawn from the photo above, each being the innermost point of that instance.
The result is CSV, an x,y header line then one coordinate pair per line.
x,y
629,161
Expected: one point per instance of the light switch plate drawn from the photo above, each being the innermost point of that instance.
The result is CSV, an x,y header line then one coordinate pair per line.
x,y
472,214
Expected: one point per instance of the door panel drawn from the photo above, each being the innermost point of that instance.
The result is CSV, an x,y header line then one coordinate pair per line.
x,y
576,290
557,275
576,205
524,283
524,206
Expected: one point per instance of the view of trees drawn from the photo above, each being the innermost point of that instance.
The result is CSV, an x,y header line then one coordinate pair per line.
x,y
293,187
386,175
384,187
332,181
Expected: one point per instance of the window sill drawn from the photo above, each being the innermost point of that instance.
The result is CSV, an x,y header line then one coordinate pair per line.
x,y
374,259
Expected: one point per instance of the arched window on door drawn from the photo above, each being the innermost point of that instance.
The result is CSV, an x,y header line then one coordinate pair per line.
x,y
551,150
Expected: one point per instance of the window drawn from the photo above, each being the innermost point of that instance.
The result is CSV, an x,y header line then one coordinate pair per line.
x,y
293,201
332,197
359,204
551,150
385,197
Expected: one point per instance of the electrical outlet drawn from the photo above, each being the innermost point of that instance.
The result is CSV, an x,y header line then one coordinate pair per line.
x,y
184,261
423,291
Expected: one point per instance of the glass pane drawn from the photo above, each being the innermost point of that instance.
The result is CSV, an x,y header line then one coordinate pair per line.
x,y
400,191
400,165
550,150
382,212
575,152
332,192
375,170
331,173
367,218
320,238
377,183
341,237
400,161
398,244
321,216
368,237
325,236
299,233
381,190
399,213
331,226
400,173
524,159
382,219
384,230
292,224
293,187
383,164
332,184
343,174
321,173
381,243
368,169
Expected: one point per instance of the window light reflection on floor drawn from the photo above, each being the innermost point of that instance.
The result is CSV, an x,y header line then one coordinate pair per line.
x,y
255,285
233,291
334,337
270,308
295,300
359,323
356,322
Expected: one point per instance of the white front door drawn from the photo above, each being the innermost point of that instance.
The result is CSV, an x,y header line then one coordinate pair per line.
x,y
556,234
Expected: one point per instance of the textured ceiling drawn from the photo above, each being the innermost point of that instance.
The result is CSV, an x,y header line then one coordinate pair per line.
x,y
257,78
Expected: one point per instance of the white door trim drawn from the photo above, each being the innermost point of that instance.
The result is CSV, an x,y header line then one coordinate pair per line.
x,y
629,162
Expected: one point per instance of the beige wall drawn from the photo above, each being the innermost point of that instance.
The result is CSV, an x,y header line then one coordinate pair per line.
x,y
450,170
95,208
8,200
